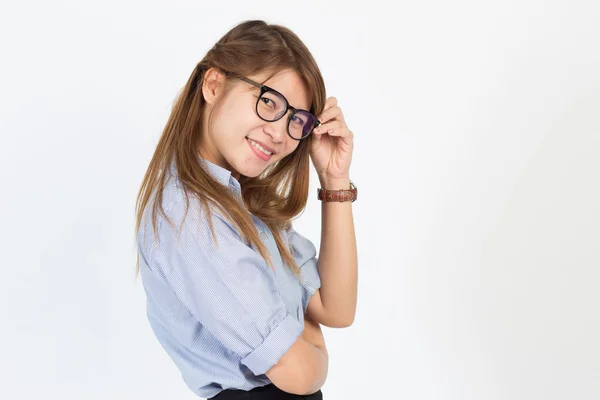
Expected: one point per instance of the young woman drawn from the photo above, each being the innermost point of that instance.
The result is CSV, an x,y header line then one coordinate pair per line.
x,y
235,295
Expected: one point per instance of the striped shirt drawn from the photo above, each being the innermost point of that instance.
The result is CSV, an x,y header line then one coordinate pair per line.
x,y
218,310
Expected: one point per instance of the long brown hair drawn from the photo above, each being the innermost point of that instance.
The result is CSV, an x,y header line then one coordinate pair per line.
x,y
280,193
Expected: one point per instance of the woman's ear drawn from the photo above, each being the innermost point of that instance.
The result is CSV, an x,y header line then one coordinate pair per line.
x,y
212,85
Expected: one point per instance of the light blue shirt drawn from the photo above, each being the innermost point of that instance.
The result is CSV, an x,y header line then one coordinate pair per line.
x,y
221,313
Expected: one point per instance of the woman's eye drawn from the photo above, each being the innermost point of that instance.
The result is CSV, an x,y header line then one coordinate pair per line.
x,y
298,121
268,102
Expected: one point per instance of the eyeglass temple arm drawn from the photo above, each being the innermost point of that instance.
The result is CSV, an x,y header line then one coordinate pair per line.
x,y
243,78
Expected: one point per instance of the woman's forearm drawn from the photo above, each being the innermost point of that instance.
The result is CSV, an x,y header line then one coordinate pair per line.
x,y
314,335
303,368
338,265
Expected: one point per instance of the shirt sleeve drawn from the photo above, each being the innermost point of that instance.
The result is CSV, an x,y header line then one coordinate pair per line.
x,y
227,286
305,255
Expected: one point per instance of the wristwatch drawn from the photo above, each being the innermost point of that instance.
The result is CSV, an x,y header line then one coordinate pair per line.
x,y
340,195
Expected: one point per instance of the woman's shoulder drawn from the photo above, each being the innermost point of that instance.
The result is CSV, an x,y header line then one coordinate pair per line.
x,y
180,211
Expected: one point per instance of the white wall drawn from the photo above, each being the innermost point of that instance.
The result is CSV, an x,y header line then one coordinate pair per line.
x,y
477,130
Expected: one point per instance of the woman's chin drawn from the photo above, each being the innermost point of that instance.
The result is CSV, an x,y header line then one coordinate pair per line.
x,y
249,172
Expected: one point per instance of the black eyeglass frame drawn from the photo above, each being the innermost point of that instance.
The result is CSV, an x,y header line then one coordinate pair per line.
x,y
264,89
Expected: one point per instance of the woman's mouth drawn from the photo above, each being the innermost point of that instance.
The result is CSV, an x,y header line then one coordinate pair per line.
x,y
260,151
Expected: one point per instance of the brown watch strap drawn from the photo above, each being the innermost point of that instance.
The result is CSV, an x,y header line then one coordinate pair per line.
x,y
341,195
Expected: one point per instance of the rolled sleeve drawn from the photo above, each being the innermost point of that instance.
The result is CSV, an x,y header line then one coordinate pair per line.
x,y
227,286
281,338
305,255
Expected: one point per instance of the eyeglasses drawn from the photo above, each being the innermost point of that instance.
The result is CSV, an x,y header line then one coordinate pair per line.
x,y
271,106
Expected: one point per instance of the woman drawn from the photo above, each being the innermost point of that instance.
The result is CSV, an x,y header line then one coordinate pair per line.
x,y
235,295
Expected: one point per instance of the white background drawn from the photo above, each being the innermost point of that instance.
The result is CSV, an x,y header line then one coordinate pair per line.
x,y
477,131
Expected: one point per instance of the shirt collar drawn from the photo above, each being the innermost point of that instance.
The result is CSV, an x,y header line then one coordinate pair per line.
x,y
222,175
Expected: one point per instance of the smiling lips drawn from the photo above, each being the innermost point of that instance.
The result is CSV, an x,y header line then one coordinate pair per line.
x,y
261,150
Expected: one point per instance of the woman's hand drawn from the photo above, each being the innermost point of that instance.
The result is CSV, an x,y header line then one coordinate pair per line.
x,y
332,144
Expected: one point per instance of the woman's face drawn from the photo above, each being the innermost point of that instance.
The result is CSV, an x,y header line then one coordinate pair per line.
x,y
231,136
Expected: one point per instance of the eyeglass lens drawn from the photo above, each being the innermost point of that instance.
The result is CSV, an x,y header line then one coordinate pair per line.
x,y
272,106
